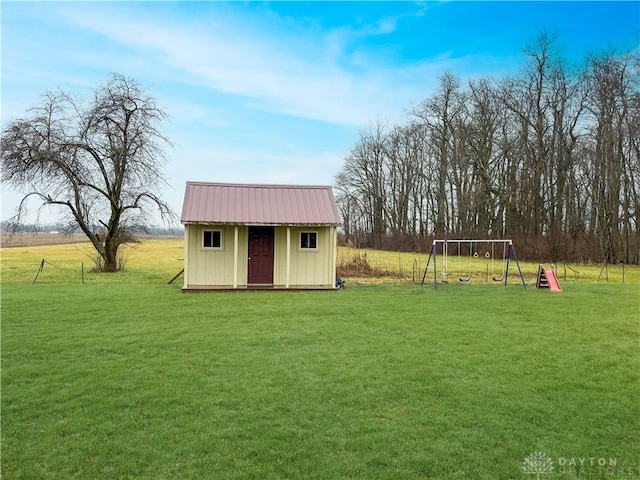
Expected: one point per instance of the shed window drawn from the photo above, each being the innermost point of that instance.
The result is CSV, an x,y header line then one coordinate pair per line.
x,y
309,240
212,239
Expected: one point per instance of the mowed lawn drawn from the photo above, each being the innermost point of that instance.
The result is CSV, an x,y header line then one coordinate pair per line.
x,y
374,382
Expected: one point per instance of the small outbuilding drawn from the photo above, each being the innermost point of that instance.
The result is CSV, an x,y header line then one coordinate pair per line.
x,y
259,236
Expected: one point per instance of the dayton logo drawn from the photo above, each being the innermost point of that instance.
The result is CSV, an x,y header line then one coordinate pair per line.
x,y
537,464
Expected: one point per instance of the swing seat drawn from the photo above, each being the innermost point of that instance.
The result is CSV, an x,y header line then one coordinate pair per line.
x,y
464,279
498,279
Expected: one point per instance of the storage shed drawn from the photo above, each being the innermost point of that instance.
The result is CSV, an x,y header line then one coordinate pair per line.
x,y
259,236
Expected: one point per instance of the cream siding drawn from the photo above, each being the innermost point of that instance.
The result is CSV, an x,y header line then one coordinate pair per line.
x,y
212,267
307,268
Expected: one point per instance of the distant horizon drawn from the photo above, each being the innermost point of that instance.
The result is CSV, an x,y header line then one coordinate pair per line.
x,y
59,228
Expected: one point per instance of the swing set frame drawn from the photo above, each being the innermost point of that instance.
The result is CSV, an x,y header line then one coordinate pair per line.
x,y
508,252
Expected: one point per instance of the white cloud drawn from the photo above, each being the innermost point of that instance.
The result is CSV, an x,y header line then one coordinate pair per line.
x,y
225,56
228,84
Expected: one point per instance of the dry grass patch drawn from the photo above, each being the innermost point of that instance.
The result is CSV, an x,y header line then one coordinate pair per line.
x,y
361,265
158,259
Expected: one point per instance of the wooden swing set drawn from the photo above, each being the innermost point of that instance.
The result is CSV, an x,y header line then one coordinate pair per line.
x,y
457,246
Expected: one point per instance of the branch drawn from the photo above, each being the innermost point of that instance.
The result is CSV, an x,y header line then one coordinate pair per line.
x,y
165,211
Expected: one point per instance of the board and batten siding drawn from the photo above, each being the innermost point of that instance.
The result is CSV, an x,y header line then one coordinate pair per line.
x,y
208,267
306,267
215,268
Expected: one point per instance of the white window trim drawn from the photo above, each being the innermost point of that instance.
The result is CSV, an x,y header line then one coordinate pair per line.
x,y
302,232
210,249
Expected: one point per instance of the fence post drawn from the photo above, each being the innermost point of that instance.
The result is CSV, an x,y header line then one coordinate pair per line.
x,y
40,268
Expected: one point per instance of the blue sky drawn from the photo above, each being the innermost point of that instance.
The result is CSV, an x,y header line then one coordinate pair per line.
x,y
277,92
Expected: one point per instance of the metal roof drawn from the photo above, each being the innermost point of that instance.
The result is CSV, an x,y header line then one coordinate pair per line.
x,y
226,203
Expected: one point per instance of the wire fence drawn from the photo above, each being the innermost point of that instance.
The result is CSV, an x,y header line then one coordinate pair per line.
x,y
408,267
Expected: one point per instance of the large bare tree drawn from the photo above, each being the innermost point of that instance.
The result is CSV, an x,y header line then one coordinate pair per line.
x,y
98,161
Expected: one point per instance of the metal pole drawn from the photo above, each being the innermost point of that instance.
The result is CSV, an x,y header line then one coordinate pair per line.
x,y
445,256
453,240
506,271
515,257
435,266
424,275
40,268
602,270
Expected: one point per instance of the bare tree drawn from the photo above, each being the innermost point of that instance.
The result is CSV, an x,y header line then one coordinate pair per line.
x,y
99,161
364,175
441,115
404,153
613,102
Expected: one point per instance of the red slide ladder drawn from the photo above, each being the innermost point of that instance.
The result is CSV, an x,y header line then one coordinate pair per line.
x,y
547,279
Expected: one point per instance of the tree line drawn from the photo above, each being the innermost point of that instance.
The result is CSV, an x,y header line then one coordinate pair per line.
x,y
548,157
64,228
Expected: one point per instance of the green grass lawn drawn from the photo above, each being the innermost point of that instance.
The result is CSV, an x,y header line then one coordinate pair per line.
x,y
375,382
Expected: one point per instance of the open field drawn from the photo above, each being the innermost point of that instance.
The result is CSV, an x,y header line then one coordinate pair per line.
x,y
150,261
406,267
40,239
125,377
159,259
44,239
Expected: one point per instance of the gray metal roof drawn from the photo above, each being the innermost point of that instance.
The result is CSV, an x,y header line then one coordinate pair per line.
x,y
226,203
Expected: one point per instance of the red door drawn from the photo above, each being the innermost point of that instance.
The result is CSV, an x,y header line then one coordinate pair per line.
x,y
260,255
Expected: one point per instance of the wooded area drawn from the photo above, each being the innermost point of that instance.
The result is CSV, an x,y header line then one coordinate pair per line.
x,y
549,158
